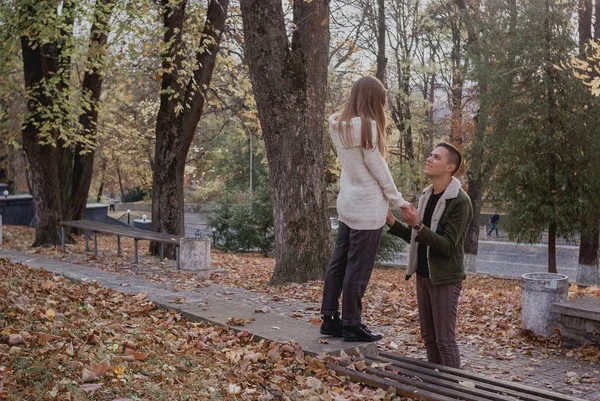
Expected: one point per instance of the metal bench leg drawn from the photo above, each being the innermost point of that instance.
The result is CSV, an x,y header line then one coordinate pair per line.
x,y
118,245
95,244
62,238
135,250
177,256
162,251
87,242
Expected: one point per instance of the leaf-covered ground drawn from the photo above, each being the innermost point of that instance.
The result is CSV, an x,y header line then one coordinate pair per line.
x,y
61,340
489,310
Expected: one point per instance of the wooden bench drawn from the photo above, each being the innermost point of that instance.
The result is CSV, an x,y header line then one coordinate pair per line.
x,y
121,231
422,380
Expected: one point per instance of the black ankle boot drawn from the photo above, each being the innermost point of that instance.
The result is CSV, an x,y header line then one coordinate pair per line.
x,y
332,326
359,333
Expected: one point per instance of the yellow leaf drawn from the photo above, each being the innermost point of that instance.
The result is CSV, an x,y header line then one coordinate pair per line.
x,y
50,314
120,370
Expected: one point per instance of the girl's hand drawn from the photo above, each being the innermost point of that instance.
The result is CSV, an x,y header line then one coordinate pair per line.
x,y
390,219
406,205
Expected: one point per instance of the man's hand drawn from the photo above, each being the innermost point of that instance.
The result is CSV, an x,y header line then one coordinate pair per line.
x,y
390,219
410,216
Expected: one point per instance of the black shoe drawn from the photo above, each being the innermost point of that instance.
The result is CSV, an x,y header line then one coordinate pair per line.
x,y
332,326
359,333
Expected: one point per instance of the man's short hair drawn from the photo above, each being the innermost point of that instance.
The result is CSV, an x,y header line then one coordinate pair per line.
x,y
454,155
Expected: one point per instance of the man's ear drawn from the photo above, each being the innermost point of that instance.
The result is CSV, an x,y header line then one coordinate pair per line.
x,y
450,167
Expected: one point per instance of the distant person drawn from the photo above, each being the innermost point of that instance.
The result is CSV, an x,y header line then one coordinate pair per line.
x,y
111,204
436,231
494,220
366,190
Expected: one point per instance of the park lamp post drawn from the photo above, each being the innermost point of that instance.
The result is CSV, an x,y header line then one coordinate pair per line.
x,y
128,215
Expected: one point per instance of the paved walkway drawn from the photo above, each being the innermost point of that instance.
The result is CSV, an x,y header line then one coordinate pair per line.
x,y
219,304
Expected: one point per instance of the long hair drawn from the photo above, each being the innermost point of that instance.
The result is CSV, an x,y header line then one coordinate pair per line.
x,y
367,101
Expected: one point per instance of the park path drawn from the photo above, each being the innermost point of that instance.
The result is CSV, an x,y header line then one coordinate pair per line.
x,y
221,305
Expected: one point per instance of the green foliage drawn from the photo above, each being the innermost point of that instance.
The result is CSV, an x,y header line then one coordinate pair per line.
x,y
135,194
244,223
548,137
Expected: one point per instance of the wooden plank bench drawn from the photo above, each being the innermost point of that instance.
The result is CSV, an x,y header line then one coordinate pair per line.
x,y
120,231
422,380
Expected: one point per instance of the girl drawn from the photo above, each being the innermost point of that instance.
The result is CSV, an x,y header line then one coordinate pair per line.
x,y
366,189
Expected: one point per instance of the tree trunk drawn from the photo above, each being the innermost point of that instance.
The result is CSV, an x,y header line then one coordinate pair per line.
x,y
102,180
38,62
552,248
8,157
456,91
588,271
83,157
178,117
585,24
597,19
289,86
381,33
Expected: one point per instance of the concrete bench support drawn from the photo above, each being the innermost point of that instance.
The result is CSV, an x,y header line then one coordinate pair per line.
x,y
579,320
195,255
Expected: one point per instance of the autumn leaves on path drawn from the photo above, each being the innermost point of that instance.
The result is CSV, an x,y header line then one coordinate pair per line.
x,y
61,340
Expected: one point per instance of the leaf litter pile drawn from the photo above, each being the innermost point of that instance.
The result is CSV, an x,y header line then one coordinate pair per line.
x,y
61,340
489,312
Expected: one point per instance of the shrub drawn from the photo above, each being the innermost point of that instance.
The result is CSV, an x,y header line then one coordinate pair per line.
x,y
134,194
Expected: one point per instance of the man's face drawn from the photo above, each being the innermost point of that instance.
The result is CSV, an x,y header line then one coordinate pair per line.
x,y
437,163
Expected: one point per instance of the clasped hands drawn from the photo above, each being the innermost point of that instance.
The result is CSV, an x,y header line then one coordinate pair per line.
x,y
408,214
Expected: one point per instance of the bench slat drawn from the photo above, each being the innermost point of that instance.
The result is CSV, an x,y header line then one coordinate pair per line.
x,y
401,389
547,395
123,231
428,375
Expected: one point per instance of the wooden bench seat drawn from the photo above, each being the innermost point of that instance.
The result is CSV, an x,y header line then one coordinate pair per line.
x,y
95,227
422,380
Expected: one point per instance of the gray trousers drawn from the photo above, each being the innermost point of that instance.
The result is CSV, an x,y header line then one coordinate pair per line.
x,y
438,309
349,272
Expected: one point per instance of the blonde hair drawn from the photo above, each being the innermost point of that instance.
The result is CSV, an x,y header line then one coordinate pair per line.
x,y
367,101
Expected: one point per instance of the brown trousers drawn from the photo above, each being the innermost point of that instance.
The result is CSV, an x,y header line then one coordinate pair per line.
x,y
438,309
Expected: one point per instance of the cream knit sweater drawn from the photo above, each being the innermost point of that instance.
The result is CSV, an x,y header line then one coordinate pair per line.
x,y
366,185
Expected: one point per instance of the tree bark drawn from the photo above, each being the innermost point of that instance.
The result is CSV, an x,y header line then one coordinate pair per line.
x,y
585,24
178,116
83,156
552,248
38,63
290,85
588,271
102,181
597,19
456,91
381,32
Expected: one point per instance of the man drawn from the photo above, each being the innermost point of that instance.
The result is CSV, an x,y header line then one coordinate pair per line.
x,y
494,221
436,231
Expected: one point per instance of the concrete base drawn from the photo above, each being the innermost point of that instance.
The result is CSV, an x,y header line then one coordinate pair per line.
x,y
580,321
470,263
194,254
588,275
538,292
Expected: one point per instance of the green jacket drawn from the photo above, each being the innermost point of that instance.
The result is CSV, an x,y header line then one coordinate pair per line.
x,y
444,239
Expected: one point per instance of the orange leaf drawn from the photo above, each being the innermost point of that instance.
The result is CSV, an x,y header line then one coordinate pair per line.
x,y
138,356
